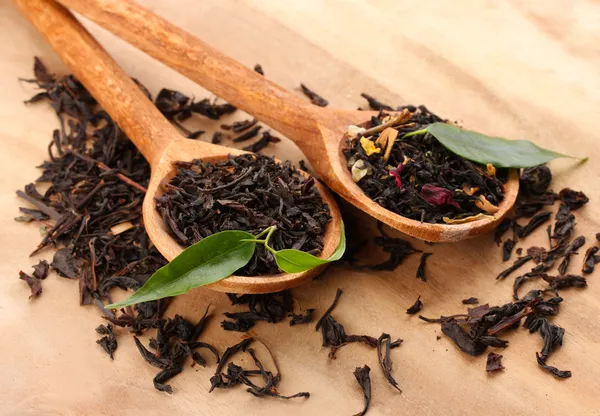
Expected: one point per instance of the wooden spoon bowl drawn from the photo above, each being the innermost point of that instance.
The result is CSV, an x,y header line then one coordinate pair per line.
x,y
154,136
183,149
317,131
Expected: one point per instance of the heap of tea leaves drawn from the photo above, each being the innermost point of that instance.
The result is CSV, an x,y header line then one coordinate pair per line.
x,y
418,166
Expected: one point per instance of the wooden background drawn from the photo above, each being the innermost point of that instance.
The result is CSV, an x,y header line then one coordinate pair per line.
x,y
514,68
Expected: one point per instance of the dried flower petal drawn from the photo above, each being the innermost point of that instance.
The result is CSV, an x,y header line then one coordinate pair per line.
x,y
491,169
468,190
359,170
396,174
368,146
467,219
486,205
438,196
355,131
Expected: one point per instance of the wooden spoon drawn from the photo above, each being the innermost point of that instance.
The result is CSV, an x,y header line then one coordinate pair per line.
x,y
318,132
153,135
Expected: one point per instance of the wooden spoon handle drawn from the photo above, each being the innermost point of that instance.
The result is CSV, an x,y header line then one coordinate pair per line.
x,y
114,90
242,87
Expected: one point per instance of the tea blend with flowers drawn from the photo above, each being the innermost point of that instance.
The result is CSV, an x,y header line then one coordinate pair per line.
x,y
415,175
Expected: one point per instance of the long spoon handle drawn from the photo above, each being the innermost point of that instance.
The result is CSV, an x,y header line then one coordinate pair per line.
x,y
116,92
208,67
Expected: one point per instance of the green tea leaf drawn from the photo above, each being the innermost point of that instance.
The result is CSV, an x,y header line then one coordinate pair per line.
x,y
501,153
214,258
296,261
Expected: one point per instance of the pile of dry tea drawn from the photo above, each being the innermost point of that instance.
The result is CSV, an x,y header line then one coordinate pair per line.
x,y
416,176
249,193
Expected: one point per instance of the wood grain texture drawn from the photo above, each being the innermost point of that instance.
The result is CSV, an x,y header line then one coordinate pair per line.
x,y
317,131
493,66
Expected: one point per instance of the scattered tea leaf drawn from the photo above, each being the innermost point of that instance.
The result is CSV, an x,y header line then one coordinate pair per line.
x,y
494,362
364,381
416,307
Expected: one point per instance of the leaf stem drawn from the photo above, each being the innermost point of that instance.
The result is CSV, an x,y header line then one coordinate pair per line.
x,y
414,133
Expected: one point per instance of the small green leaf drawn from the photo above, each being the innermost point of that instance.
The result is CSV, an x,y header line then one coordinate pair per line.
x,y
214,258
341,248
296,261
501,153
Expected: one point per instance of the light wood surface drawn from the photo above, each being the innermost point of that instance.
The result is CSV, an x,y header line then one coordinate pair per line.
x,y
517,69
317,131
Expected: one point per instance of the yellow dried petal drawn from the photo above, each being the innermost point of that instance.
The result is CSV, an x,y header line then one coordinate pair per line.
x,y
390,134
468,190
491,169
486,205
368,146
467,219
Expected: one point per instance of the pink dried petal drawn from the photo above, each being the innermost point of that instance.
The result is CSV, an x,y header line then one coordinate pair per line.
x,y
438,196
396,174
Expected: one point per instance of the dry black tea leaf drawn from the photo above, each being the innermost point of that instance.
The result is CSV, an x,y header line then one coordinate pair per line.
x,y
261,143
217,137
462,339
239,126
33,214
516,265
564,281
421,268
470,301
552,370
258,68
315,98
536,221
507,248
364,381
375,104
571,249
334,334
590,260
65,264
34,284
40,270
271,307
535,181
384,346
150,357
573,199
494,362
416,307
108,342
247,135
397,248
304,318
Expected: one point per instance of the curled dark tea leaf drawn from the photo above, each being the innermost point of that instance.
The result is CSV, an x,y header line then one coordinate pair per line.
x,y
384,346
315,98
421,268
33,283
362,375
470,301
304,318
108,342
416,307
40,270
